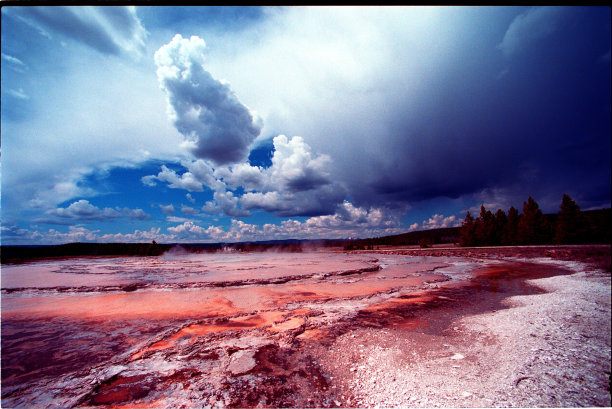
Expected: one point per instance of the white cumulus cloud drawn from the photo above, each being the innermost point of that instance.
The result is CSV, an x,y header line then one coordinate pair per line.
x,y
438,221
186,181
82,210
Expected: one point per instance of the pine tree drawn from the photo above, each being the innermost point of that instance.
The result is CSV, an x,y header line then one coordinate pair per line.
x,y
485,227
532,225
510,231
500,226
467,233
570,223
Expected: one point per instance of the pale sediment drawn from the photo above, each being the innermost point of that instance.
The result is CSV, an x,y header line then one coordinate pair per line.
x,y
547,350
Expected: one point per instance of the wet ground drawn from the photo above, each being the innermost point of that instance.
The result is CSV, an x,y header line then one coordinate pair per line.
x,y
225,329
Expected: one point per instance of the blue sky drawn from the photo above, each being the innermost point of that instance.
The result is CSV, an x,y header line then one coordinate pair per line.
x,y
208,124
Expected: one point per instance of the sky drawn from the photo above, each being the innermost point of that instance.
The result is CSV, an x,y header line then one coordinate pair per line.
x,y
226,124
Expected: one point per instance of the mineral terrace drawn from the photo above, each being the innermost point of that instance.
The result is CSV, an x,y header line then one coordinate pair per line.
x,y
445,327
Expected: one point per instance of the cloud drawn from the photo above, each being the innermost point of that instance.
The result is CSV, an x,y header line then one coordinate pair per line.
x,y
60,191
74,234
186,181
298,182
190,231
530,26
16,235
321,201
225,203
217,126
175,219
19,94
136,214
293,167
82,210
417,111
15,63
242,175
109,30
11,233
168,209
189,210
190,198
438,221
204,173
137,236
356,219
404,102
47,128
349,221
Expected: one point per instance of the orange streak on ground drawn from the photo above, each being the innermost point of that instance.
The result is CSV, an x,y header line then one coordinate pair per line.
x,y
281,295
418,298
199,303
292,323
212,302
141,304
312,334
198,330
159,403
301,311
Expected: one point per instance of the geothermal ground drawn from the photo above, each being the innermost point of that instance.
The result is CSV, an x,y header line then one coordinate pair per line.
x,y
444,327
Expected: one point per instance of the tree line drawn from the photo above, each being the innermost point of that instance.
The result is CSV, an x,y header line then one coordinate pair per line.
x,y
529,227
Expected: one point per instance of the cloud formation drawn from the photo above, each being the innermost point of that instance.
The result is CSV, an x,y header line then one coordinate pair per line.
x,y
82,210
167,209
298,183
438,221
109,30
530,26
188,210
225,203
217,126
190,231
185,181
409,103
397,108
15,63
347,222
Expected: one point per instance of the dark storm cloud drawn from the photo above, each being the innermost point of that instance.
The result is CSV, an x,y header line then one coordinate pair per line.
x,y
527,111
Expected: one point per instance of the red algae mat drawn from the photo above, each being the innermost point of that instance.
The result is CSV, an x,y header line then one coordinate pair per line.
x,y
194,330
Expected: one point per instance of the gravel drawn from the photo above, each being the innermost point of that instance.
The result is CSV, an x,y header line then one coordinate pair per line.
x,y
545,350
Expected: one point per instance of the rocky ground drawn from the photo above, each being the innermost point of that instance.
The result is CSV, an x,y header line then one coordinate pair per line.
x,y
549,349
530,327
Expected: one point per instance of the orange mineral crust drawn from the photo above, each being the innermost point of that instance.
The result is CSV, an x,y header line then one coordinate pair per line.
x,y
221,329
